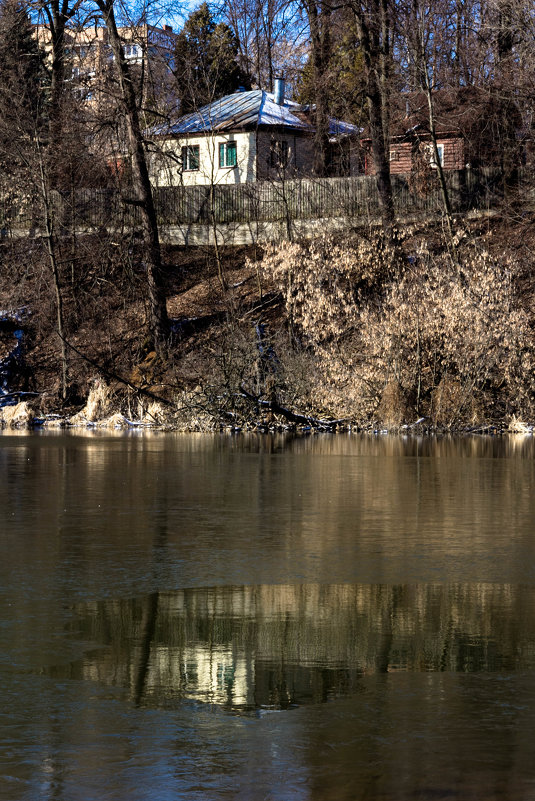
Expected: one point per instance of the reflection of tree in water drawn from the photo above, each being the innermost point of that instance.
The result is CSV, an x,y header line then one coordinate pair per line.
x,y
248,647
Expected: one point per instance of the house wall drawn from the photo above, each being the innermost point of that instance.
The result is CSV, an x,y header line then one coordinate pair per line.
x,y
255,159
166,167
300,154
401,156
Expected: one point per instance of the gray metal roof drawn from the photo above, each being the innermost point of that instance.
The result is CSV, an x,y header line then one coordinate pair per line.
x,y
246,110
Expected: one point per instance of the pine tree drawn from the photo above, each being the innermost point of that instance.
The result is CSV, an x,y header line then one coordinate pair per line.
x,y
206,60
344,74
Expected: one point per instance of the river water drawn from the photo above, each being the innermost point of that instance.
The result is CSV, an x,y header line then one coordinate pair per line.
x,y
263,617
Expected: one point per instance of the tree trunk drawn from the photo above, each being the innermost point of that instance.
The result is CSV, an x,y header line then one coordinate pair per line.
x,y
375,48
57,15
440,171
319,24
52,255
422,61
158,321
505,92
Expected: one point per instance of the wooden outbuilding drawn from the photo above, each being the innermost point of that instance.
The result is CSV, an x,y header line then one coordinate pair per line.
x,y
473,127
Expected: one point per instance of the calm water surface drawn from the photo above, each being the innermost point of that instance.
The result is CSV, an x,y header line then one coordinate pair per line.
x,y
206,618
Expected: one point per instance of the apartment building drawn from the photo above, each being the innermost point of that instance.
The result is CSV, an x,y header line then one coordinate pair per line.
x,y
148,49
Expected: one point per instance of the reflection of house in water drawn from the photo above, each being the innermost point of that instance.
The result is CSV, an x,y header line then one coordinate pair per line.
x,y
218,674
249,647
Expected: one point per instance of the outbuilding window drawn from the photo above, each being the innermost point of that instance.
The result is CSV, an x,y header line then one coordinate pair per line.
x,y
431,155
228,154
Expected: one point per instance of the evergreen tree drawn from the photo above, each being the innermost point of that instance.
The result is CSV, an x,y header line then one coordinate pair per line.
x,y
344,75
206,60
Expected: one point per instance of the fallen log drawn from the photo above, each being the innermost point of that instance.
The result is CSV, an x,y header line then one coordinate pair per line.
x,y
293,417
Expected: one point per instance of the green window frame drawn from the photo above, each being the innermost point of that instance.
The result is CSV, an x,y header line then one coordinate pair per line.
x,y
190,158
228,154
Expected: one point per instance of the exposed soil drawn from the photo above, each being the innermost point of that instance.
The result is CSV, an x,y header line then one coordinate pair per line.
x,y
106,330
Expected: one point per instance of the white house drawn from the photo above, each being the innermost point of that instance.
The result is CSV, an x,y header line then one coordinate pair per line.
x,y
246,137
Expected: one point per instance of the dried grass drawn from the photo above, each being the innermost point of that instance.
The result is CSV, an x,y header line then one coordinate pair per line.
x,y
154,414
455,340
394,408
17,416
116,420
98,406
517,426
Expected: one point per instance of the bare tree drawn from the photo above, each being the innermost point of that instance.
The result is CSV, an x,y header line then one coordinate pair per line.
x,y
374,24
23,138
423,43
142,191
272,39
54,18
319,13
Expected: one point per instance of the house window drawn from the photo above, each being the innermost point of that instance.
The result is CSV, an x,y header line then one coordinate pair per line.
x,y
278,155
394,155
228,154
132,51
190,157
339,158
431,155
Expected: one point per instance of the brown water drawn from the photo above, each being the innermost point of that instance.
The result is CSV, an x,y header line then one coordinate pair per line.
x,y
194,617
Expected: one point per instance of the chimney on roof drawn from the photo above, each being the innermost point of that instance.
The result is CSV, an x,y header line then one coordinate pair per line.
x,y
278,91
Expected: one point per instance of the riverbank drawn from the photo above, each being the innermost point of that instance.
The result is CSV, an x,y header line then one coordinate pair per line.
x,y
351,333
21,420
185,418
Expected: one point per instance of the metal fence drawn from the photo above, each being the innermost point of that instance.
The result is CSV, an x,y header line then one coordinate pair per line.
x,y
306,199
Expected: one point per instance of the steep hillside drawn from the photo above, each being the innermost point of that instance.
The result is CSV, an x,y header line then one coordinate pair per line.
x,y
345,330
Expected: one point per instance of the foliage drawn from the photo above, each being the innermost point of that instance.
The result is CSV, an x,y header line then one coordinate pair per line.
x,y
325,280
345,77
206,63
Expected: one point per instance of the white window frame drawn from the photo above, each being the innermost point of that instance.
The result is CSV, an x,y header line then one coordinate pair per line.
x,y
132,51
431,155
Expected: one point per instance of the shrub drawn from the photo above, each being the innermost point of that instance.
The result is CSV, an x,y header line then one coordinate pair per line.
x,y
454,340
